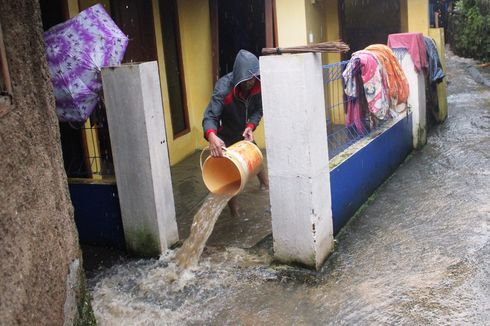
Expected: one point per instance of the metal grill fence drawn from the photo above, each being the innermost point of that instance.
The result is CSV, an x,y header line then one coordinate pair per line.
x,y
340,136
87,147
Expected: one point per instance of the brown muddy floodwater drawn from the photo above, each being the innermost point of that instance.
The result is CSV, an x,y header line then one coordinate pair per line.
x,y
418,254
202,226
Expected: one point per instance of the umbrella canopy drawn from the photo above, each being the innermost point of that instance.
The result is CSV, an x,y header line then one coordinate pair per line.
x,y
76,51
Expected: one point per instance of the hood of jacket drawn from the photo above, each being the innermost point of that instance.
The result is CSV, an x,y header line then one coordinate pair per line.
x,y
245,67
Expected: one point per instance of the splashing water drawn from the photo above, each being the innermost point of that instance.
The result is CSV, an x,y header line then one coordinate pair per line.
x,y
158,292
202,226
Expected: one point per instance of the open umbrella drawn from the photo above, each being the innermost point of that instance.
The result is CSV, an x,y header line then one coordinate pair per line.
x,y
76,51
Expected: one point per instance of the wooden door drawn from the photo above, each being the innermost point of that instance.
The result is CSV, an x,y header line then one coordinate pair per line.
x,y
235,25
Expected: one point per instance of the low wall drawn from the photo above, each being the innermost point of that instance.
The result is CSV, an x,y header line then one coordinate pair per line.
x,y
354,180
97,213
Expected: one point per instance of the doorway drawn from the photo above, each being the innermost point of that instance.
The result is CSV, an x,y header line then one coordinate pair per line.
x,y
368,22
245,24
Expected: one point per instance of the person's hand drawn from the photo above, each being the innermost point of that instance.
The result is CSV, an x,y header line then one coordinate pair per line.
x,y
248,134
215,145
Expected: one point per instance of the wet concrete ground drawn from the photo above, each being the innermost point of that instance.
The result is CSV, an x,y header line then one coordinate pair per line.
x,y
253,225
418,254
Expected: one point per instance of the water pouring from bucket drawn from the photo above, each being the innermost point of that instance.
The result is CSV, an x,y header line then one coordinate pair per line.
x,y
229,174
225,177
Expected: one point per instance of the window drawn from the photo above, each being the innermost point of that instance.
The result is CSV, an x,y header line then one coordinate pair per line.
x,y
85,146
173,67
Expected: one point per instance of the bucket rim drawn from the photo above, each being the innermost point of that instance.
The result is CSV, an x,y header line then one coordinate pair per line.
x,y
243,176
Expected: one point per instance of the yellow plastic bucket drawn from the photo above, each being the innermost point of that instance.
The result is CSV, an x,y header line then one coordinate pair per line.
x,y
229,174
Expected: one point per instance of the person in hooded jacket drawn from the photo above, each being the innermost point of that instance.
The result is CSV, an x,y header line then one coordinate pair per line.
x,y
235,110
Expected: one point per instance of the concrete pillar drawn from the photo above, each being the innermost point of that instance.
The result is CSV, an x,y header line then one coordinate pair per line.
x,y
139,147
297,154
438,35
414,16
416,100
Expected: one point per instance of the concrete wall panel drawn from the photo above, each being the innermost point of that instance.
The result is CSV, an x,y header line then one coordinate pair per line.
x,y
41,281
357,178
297,151
139,147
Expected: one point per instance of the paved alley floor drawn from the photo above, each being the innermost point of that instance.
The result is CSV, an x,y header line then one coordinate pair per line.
x,y
419,254
253,225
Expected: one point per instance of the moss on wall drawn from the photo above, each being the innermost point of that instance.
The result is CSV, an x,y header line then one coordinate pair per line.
x,y
142,243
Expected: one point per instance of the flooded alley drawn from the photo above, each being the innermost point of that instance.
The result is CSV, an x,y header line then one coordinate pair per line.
x,y
419,253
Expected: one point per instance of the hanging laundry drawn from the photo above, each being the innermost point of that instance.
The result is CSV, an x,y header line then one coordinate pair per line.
x,y
414,43
436,74
354,91
365,82
398,88
375,84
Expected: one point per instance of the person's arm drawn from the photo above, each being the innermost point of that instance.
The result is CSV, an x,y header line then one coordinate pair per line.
x,y
248,133
253,119
216,145
211,119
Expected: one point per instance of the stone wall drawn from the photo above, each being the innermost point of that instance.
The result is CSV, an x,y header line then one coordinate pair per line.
x,y
39,251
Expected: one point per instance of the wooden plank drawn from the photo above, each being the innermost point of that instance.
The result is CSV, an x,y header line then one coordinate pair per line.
x,y
269,24
5,69
213,16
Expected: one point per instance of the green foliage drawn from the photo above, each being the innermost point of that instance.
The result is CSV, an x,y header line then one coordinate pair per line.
x,y
469,29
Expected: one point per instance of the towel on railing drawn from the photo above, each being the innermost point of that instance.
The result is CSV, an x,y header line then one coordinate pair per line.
x,y
355,94
398,88
374,88
414,43
375,84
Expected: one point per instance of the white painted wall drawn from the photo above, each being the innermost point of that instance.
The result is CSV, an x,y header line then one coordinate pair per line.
x,y
416,100
297,154
139,147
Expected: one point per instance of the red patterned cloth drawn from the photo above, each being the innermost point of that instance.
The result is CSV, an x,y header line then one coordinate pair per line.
x,y
414,43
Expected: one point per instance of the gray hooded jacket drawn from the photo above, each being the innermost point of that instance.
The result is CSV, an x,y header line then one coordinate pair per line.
x,y
227,114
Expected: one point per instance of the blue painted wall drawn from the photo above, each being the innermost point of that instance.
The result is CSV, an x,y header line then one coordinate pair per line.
x,y
353,181
97,214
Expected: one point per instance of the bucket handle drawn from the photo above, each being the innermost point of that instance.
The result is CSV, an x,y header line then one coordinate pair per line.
x,y
200,159
207,149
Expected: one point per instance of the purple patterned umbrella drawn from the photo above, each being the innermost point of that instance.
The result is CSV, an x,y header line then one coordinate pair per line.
x,y
76,51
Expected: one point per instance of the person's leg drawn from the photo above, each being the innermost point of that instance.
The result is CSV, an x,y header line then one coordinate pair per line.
x,y
263,179
234,208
